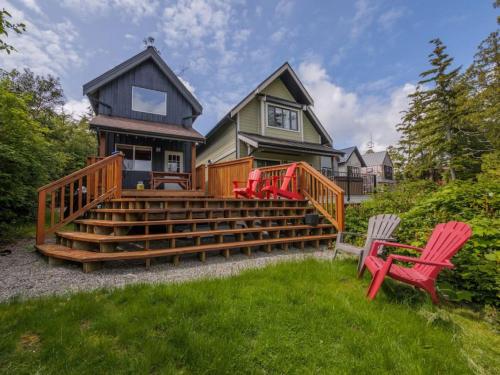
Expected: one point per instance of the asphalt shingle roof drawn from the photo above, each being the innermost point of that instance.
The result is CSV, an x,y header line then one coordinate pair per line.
x,y
374,158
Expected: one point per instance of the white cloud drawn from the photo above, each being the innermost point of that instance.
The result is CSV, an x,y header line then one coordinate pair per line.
x,y
135,10
77,108
284,8
350,118
363,17
32,5
278,35
386,20
201,26
241,36
195,22
45,47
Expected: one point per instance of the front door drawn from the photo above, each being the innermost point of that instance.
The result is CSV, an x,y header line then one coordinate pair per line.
x,y
174,161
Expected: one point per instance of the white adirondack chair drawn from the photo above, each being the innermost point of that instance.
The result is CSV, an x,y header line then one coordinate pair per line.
x,y
380,227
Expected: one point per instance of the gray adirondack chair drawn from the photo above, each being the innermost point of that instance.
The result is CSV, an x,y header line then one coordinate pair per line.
x,y
380,227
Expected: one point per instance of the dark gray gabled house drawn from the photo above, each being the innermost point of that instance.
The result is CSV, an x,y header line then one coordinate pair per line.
x,y
143,110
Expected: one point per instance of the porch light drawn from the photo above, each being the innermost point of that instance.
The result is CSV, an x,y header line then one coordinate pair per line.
x,y
158,149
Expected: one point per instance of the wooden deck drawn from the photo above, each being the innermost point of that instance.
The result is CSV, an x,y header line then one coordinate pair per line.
x,y
113,224
150,227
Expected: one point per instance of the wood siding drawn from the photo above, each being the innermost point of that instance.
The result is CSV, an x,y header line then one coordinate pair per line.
x,y
118,95
353,161
314,160
279,90
250,117
221,144
310,133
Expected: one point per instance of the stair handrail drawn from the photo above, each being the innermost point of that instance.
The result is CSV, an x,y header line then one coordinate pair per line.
x,y
326,196
94,184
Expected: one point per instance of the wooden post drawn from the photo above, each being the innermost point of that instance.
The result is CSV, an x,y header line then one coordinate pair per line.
x,y
118,176
193,166
40,223
102,144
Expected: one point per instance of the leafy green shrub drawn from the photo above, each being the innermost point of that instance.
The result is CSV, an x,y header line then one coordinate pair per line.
x,y
421,207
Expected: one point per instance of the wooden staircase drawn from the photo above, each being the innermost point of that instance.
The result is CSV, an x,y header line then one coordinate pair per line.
x,y
109,224
146,228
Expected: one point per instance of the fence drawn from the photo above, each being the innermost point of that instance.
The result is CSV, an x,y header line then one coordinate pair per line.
x,y
222,175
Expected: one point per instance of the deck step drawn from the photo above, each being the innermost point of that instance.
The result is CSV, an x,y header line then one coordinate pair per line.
x,y
195,209
63,252
201,199
163,193
100,238
124,223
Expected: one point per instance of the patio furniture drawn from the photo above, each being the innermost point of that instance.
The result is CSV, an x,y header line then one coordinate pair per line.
x,y
380,227
288,188
159,178
445,241
250,190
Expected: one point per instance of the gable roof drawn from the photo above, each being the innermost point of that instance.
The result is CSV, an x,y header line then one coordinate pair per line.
x,y
296,88
149,53
375,158
347,154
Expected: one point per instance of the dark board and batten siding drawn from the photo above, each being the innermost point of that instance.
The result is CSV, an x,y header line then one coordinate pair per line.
x,y
118,94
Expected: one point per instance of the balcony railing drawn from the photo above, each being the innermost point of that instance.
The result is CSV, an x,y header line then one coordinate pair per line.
x,y
353,183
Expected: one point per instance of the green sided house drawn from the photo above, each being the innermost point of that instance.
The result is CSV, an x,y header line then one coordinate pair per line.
x,y
275,124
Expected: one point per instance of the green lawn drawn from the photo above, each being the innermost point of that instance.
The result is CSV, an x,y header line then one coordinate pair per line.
x,y
303,317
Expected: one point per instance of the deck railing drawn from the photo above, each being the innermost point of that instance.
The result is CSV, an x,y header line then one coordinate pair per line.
x,y
200,183
222,175
63,200
325,196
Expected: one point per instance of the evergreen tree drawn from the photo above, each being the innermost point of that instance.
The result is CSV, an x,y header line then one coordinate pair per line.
x,y
483,80
439,140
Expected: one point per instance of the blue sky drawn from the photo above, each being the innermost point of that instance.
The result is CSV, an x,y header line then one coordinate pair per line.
x,y
359,59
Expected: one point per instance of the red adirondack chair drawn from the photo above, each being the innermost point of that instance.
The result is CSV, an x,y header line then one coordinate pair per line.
x,y
445,241
250,190
283,190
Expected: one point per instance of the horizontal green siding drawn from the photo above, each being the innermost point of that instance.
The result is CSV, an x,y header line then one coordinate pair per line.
x,y
283,134
314,160
310,133
250,117
279,90
220,143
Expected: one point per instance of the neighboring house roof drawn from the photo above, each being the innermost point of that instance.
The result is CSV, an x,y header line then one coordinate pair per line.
x,y
158,129
149,53
375,158
271,143
296,88
347,154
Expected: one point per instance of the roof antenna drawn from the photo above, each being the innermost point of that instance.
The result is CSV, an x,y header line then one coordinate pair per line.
x,y
370,144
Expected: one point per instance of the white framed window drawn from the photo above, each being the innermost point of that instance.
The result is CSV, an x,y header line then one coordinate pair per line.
x,y
137,158
149,101
174,161
283,118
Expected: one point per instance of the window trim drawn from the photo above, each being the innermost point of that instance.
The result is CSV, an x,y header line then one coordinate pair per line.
x,y
149,148
181,160
147,88
299,117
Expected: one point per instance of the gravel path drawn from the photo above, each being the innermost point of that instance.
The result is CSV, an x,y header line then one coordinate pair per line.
x,y
25,273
